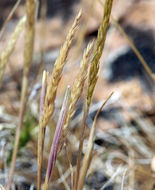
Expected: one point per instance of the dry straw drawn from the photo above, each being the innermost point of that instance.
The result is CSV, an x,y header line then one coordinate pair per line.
x,y
5,55
41,129
89,149
52,86
1,187
9,18
28,52
93,74
133,47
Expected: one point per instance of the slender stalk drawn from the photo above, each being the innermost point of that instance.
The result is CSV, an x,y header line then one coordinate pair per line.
x,y
28,52
56,140
135,50
133,47
9,18
78,165
89,149
41,130
92,80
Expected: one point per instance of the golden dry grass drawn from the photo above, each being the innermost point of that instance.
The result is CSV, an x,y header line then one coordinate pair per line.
x,y
52,86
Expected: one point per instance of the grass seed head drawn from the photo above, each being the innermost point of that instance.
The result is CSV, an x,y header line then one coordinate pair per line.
x,y
57,73
5,55
78,85
94,68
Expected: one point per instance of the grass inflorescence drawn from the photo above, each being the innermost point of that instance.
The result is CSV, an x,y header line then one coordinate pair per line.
x,y
85,81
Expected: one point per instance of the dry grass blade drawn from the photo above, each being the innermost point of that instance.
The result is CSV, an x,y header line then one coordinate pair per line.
x,y
51,91
78,165
41,130
115,174
56,140
10,47
67,187
135,50
28,52
123,179
1,187
133,47
9,18
89,149
78,86
93,73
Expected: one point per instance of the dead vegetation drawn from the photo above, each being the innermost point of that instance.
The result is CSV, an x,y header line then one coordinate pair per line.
x,y
73,143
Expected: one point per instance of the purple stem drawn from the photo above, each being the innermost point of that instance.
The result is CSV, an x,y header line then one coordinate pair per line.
x,y
57,135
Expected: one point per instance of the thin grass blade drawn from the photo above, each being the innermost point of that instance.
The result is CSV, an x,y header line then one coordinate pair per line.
x,y
57,137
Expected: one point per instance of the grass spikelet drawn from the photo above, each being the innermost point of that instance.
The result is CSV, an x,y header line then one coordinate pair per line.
x,y
51,92
78,85
10,47
56,74
89,149
57,136
93,73
93,76
28,52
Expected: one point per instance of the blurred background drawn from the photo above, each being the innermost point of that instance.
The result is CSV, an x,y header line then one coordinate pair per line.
x,y
125,136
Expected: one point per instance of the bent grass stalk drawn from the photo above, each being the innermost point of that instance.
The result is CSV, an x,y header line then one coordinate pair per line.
x,y
89,149
52,86
28,52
